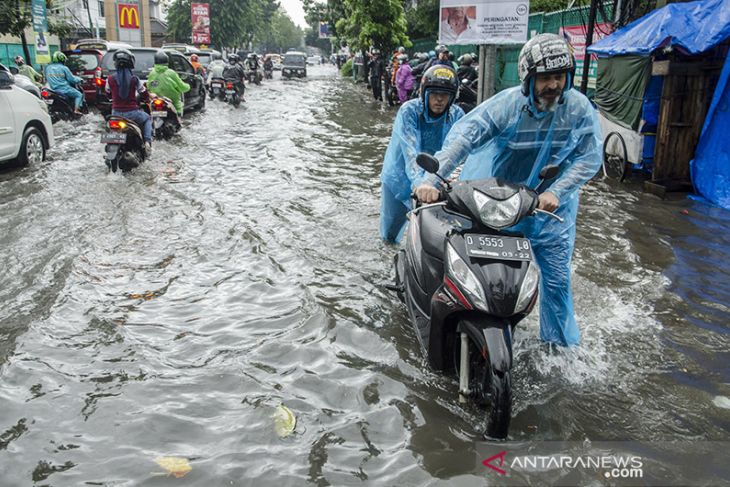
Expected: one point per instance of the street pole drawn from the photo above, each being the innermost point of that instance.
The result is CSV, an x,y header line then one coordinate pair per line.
x,y
487,70
589,41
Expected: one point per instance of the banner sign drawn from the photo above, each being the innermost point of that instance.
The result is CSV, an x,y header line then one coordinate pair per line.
x,y
42,52
324,30
576,37
128,15
200,18
38,9
483,21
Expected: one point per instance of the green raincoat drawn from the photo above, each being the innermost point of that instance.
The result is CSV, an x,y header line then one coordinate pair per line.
x,y
163,81
27,70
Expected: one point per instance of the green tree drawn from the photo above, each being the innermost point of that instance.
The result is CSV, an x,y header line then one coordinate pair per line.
x,y
279,34
15,17
423,19
379,23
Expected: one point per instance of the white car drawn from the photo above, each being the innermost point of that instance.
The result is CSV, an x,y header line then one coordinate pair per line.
x,y
313,60
26,132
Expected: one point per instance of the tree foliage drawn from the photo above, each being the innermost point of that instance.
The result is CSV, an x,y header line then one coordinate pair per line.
x,y
15,17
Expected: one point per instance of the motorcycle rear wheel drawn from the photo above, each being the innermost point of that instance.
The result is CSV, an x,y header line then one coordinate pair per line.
x,y
490,389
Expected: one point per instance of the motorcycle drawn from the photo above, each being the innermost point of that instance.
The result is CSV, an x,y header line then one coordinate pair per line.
x,y
268,73
165,120
217,89
124,144
466,97
253,76
232,94
467,283
61,108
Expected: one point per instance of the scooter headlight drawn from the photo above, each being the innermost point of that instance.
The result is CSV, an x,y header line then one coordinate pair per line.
x,y
461,273
528,288
495,213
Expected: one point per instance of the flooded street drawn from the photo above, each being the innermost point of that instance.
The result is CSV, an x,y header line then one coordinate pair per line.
x,y
168,312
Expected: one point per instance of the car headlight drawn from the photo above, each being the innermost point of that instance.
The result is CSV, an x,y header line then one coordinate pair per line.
x,y
458,269
495,213
42,104
527,290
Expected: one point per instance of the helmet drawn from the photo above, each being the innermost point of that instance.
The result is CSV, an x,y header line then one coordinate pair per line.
x,y
161,57
375,52
466,59
194,58
545,53
402,50
233,58
123,59
441,48
439,78
19,60
431,54
216,55
423,57
59,57
402,58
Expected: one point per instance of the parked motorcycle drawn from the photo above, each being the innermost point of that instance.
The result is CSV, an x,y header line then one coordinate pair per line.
x,y
467,283
466,97
165,119
217,89
124,144
61,108
233,94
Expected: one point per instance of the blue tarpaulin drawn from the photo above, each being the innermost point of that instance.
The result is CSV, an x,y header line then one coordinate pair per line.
x,y
694,27
710,169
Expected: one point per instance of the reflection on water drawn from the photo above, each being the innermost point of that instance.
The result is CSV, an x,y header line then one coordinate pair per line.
x,y
170,311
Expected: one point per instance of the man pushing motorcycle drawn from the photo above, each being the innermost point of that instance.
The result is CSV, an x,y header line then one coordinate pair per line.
x,y
513,135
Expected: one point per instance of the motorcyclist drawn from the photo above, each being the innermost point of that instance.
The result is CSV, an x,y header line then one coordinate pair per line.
x,y
268,64
420,126
513,135
252,64
442,57
234,72
215,70
63,82
163,81
466,71
28,71
404,79
123,87
199,68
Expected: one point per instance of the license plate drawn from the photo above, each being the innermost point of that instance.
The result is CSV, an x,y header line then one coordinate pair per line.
x,y
113,138
158,113
498,247
216,85
49,101
230,92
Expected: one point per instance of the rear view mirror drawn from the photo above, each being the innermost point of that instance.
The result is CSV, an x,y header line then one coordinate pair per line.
x,y
427,162
549,172
6,80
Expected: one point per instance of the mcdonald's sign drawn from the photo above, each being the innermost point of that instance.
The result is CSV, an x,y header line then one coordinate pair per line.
x,y
128,15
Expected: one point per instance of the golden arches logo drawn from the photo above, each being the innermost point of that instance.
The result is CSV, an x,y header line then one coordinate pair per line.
x,y
128,16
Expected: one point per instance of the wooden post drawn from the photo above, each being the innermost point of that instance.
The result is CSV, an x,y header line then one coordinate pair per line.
x,y
589,41
487,71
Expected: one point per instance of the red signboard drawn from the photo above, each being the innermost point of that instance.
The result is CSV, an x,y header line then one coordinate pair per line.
x,y
200,18
128,14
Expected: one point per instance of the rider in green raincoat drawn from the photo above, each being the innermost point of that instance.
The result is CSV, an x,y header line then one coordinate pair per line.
x,y
163,81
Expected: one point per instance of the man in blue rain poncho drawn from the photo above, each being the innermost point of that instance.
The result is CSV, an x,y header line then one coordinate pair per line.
x,y
420,126
514,135
62,81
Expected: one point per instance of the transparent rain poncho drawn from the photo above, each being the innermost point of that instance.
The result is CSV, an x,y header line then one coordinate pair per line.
x,y
413,132
505,137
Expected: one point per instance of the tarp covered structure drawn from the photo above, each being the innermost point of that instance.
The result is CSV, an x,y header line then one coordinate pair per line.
x,y
693,26
711,165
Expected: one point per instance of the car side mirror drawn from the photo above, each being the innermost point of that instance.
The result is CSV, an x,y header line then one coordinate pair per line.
x,y
549,172
427,162
6,80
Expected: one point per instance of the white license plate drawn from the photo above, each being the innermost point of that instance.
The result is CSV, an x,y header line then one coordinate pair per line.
x,y
49,101
498,247
113,138
158,113
216,85
230,92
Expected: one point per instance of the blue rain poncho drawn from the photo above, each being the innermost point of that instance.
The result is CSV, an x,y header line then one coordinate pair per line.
x,y
61,80
505,137
414,131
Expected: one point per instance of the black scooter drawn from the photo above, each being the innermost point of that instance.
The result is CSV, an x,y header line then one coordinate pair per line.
x,y
124,142
165,119
233,93
466,97
467,283
217,89
61,108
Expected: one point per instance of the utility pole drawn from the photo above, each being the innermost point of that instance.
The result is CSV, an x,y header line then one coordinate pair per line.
x,y
589,41
487,70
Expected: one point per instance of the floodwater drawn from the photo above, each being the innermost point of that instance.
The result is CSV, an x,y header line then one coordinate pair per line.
x,y
170,311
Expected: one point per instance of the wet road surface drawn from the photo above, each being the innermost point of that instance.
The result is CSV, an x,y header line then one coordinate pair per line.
x,y
168,312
